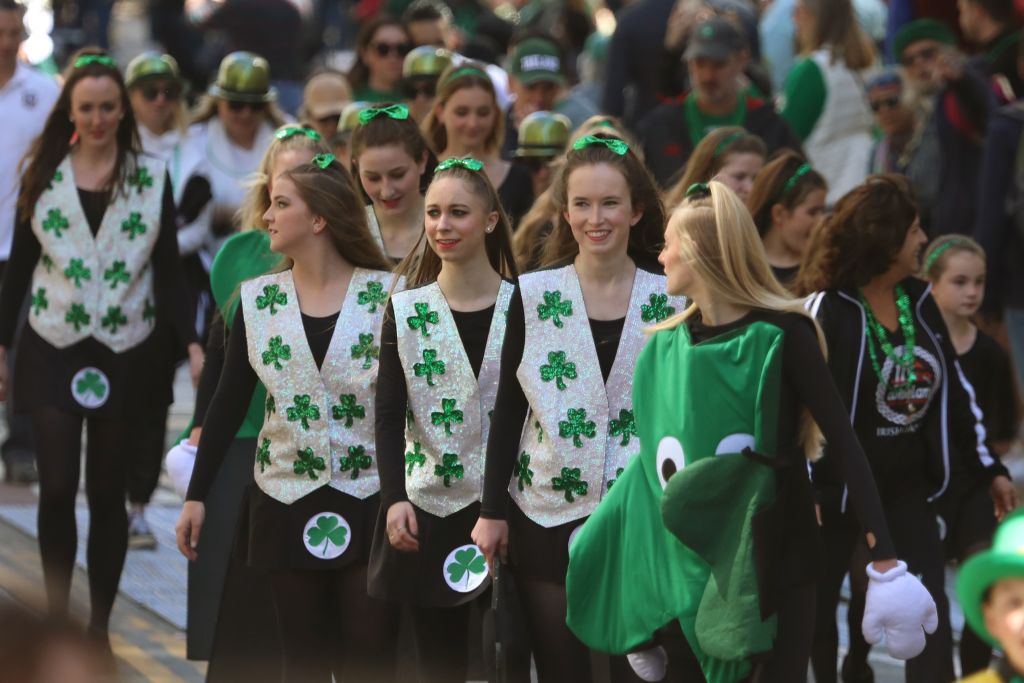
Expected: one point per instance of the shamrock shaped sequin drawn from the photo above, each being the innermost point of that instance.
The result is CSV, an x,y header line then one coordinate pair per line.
x,y
271,298
303,411
450,467
570,484
372,296
356,460
77,271
113,319
263,455
77,316
141,179
429,367
553,308
448,415
468,561
657,310
577,425
327,532
117,274
415,457
348,410
55,222
625,426
57,177
557,369
366,350
148,312
271,406
307,463
522,470
618,473
424,316
276,352
39,300
134,225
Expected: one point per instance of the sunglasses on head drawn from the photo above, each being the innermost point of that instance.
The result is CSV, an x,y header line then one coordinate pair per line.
x,y
398,49
151,92
413,89
927,53
885,103
235,105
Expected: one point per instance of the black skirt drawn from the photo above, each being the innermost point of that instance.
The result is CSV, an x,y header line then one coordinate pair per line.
x,y
448,570
324,530
538,552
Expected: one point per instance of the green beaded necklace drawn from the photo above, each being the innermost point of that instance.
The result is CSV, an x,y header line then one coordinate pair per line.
x,y
875,331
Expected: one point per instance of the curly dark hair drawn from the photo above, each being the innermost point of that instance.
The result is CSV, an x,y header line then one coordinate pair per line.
x,y
862,238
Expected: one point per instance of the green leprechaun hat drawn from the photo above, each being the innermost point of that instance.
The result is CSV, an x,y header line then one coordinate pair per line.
x,y
151,65
543,134
1005,559
426,60
243,77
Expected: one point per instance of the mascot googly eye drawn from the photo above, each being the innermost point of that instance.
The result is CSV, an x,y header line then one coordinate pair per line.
x,y
735,443
670,459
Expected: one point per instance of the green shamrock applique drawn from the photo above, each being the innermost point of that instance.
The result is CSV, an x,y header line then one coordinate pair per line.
x,y
77,271
373,296
429,367
77,316
348,410
307,463
657,310
356,460
577,425
47,263
424,316
113,319
468,561
366,350
618,473
522,471
39,300
263,455
148,312
271,298
271,406
276,352
625,426
570,483
141,179
117,275
448,415
92,383
55,222
553,308
134,225
449,468
57,177
327,532
414,458
557,369
303,411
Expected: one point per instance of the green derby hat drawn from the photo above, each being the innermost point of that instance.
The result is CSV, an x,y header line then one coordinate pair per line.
x,y
426,60
151,65
543,134
1004,560
243,77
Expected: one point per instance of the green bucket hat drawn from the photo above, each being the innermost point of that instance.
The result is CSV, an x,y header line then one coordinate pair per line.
x,y
243,77
543,134
151,65
921,29
426,60
1004,560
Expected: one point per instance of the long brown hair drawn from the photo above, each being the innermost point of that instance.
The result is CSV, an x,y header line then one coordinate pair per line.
x,y
836,27
359,74
423,268
710,155
54,142
330,192
778,183
644,238
384,131
455,78
862,238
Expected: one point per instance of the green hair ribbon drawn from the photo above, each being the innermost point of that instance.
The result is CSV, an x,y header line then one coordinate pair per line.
x,y
399,112
292,131
698,190
324,160
614,144
464,71
729,139
467,163
86,60
800,172
934,256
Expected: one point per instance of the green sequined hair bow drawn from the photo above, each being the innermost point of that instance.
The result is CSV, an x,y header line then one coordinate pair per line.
x,y
86,60
292,131
469,164
324,160
399,112
698,191
614,144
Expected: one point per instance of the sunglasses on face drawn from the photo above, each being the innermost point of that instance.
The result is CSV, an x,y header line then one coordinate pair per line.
x,y
234,105
397,49
413,90
151,92
887,103
926,54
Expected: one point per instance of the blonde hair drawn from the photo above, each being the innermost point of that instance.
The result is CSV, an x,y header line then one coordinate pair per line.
x,y
718,241
939,251
464,76
206,109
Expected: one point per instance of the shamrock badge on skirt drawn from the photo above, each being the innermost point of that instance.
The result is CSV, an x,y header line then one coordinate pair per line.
x,y
327,535
465,569
90,387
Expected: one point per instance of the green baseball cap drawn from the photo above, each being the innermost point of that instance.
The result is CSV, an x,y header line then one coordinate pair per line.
x,y
426,60
1004,560
922,29
151,65
536,60
243,77
543,134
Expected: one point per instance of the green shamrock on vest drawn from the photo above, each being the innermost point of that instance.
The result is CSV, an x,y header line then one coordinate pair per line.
x,y
618,473
263,455
558,368
39,301
540,431
328,531
625,426
414,457
356,460
117,274
134,225
113,319
522,470
47,263
372,296
429,367
423,317
657,310
303,411
468,561
148,311
449,467
271,406
77,271
410,420
553,308
55,222
91,382
57,177
276,352
348,410
570,483
307,463
577,425
448,415
77,316
141,180
272,296
366,350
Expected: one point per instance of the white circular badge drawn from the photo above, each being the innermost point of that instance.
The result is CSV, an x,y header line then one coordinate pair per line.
x,y
465,569
90,387
327,535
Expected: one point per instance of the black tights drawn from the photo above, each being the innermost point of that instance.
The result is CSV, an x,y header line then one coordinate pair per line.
x,y
441,637
58,438
329,624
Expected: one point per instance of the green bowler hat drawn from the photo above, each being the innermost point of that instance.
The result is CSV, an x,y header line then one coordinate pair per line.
x,y
543,134
151,65
349,120
426,60
1004,560
243,77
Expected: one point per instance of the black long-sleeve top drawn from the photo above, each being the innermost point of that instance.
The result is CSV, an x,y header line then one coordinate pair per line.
x,y
234,392
213,366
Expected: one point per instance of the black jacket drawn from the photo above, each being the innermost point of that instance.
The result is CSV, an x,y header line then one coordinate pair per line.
x,y
954,435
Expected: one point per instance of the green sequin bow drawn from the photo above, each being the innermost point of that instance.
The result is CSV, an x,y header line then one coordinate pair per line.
x,y
698,190
467,163
324,160
399,112
614,144
292,131
86,60
875,331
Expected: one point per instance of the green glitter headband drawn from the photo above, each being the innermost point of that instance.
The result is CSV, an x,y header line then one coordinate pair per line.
x,y
698,190
934,256
292,131
803,170
464,71
86,60
726,142
324,160
469,164
614,144
399,112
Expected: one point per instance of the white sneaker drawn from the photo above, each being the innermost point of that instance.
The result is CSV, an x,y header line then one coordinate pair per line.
x,y
650,665
140,536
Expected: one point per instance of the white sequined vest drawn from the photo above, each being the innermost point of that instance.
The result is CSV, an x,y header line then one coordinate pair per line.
x,y
446,437
580,431
98,286
319,426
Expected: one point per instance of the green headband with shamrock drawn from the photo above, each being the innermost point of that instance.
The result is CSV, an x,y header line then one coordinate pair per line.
x,y
934,256
292,131
614,144
469,164
399,112
86,60
731,138
324,160
800,172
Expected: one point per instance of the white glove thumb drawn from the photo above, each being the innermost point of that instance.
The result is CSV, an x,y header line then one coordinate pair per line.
x,y
180,461
899,608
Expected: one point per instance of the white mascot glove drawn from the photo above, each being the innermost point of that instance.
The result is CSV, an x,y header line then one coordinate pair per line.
x,y
180,461
899,608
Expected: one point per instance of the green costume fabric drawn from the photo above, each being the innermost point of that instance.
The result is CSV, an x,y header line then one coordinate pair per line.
x,y
804,97
651,553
